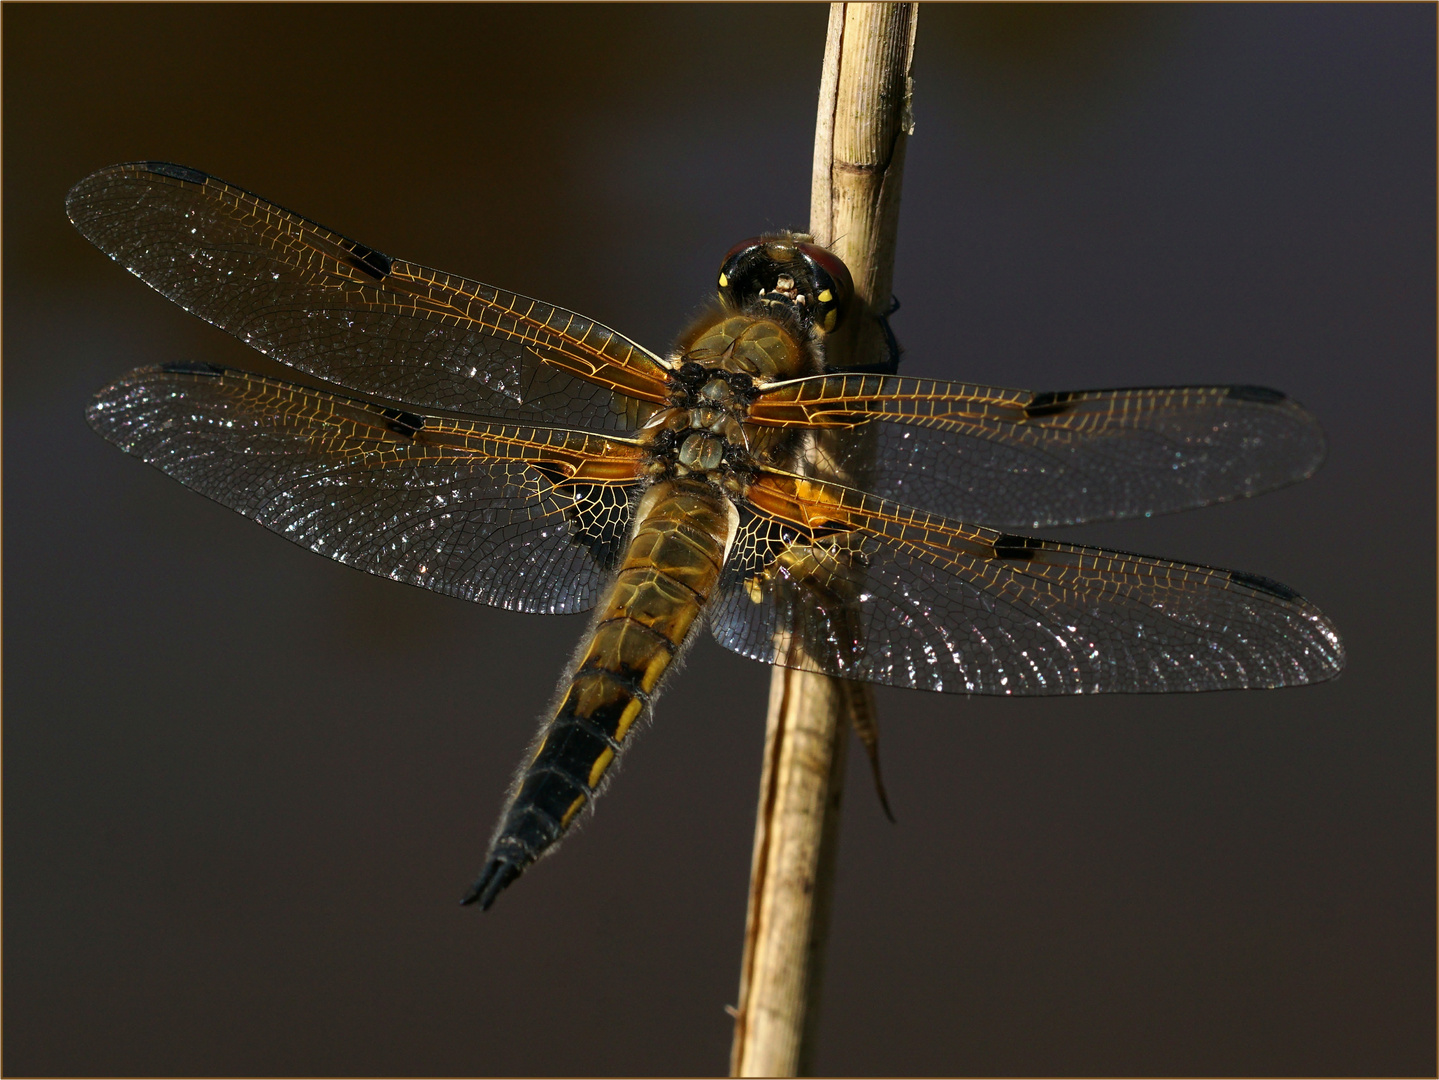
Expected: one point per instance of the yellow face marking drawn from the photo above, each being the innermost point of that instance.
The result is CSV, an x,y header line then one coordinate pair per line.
x,y
724,282
830,319
826,296
628,717
572,811
601,764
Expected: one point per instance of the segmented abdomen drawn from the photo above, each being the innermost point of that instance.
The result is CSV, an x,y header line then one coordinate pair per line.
x,y
682,532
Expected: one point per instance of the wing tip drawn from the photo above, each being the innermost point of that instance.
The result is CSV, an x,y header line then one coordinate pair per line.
x,y
1325,661
170,169
77,198
1317,448
189,367
1260,395
96,412
1262,584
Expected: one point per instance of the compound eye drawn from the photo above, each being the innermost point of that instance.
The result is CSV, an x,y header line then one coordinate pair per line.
x,y
738,264
833,286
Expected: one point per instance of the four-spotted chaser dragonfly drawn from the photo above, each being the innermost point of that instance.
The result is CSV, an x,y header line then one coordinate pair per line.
x,y
846,523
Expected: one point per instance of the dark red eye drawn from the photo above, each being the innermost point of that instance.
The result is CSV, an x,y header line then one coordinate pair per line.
x,y
741,247
831,264
737,271
840,286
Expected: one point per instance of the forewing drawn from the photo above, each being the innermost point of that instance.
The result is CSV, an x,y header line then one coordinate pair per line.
x,y
341,311
519,517
829,579
1018,459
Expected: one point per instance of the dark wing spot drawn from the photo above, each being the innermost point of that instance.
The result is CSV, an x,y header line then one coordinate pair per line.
x,y
403,423
370,261
178,172
1261,394
1049,403
1263,584
600,520
1020,548
194,367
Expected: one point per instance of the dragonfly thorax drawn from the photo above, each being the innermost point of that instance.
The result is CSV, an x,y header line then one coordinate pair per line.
x,y
702,428
769,347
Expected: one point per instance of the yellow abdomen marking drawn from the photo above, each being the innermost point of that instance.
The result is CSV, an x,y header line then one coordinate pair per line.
x,y
575,808
627,719
601,764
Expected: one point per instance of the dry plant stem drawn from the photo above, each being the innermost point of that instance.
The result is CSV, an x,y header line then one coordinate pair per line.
x,y
859,153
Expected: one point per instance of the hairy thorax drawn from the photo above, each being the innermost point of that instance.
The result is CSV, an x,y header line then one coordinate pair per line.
x,y
721,364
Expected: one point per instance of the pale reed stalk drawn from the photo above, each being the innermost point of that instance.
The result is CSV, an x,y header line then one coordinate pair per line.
x,y
854,211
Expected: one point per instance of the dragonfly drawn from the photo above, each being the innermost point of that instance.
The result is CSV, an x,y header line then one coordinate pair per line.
x,y
858,524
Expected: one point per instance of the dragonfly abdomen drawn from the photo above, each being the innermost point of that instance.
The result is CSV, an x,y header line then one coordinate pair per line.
x,y
681,536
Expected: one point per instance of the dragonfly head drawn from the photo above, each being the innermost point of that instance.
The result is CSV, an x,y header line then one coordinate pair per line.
x,y
788,271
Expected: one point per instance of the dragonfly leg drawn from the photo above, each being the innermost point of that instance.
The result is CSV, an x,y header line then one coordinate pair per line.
x,y
859,701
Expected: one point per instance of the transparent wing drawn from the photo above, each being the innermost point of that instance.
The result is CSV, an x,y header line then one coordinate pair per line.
x,y
830,579
341,311
1019,459
519,517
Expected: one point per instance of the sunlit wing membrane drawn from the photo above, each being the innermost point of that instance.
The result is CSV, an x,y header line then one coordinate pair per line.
x,y
519,517
829,579
1019,459
341,311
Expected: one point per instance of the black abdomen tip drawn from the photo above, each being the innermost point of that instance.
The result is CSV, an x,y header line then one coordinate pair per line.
x,y
495,878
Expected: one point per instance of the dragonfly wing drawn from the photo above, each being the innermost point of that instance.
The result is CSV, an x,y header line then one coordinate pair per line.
x,y
830,579
519,517
341,311
1019,459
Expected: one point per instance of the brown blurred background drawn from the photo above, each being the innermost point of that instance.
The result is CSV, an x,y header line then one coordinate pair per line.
x,y
245,787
